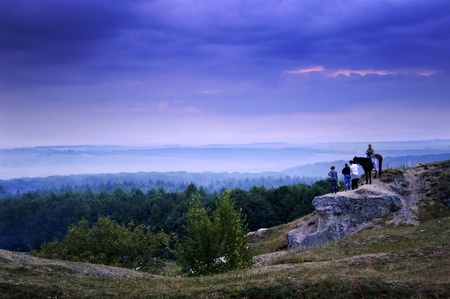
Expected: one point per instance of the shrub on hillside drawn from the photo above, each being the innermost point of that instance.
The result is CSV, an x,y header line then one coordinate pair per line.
x,y
216,243
109,243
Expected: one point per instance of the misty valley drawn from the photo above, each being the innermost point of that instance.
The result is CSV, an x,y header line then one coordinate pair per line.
x,y
35,210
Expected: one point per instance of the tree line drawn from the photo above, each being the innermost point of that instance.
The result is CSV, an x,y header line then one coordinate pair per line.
x,y
145,181
31,219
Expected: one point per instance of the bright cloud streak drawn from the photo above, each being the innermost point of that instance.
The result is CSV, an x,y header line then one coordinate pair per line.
x,y
348,72
210,91
306,70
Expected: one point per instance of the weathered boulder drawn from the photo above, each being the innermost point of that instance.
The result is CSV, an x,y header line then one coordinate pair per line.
x,y
342,214
259,232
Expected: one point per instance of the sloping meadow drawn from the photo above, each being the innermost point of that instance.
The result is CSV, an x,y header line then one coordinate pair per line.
x,y
394,261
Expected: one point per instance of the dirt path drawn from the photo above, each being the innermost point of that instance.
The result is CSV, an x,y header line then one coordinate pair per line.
x,y
408,189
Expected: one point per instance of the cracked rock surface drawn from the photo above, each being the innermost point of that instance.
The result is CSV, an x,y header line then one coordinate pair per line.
x,y
344,213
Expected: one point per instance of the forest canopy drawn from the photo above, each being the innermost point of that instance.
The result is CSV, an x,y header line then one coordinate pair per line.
x,y
29,220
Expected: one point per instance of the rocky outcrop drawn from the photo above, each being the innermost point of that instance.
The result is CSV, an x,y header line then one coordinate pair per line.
x,y
342,214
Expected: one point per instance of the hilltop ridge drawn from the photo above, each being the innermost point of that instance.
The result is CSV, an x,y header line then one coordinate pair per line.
x,y
347,212
420,190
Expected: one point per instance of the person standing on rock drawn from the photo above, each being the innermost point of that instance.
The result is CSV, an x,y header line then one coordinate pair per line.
x,y
354,173
334,180
347,177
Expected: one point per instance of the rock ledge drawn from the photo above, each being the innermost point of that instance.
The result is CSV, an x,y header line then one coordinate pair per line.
x,y
343,214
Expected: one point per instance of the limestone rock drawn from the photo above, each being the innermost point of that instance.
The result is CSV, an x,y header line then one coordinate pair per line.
x,y
259,232
342,214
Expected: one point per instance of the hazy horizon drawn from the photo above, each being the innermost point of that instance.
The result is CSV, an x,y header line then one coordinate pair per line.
x,y
254,158
267,144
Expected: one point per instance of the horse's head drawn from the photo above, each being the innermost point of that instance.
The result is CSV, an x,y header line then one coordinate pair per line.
x,y
355,159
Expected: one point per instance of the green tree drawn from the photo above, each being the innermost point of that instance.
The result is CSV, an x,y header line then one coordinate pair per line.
x,y
231,233
109,243
106,242
215,243
145,249
196,253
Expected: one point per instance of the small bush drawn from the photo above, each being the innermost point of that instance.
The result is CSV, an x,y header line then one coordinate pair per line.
x,y
109,243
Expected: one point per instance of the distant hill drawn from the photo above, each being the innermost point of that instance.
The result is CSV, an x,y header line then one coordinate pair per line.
x,y
175,181
45,161
321,169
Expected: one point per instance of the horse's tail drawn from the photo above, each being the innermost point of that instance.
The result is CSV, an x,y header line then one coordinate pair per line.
x,y
380,161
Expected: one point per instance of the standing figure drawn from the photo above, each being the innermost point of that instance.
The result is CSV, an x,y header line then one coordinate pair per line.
x,y
347,177
334,179
354,173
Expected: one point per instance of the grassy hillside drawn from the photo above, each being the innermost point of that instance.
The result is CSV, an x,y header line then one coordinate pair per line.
x,y
387,262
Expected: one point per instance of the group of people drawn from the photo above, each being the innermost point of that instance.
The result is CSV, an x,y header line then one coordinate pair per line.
x,y
351,174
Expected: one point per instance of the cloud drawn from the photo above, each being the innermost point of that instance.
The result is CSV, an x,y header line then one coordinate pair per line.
x,y
144,37
69,62
306,70
211,91
164,106
39,30
348,72
382,72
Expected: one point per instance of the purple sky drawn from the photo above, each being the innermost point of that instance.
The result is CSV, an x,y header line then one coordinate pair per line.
x,y
236,71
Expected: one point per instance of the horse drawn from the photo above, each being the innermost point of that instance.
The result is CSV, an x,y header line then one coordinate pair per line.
x,y
367,165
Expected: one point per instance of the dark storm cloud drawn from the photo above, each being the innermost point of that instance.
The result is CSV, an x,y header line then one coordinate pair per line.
x,y
52,42
236,38
36,27
368,34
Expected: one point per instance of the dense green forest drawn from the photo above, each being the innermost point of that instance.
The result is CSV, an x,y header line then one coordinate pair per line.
x,y
30,219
